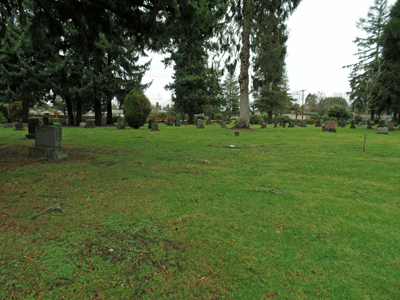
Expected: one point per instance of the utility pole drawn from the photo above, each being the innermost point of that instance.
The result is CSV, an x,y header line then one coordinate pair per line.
x,y
302,104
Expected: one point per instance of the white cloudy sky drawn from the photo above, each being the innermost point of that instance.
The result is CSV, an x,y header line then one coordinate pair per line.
x,y
320,44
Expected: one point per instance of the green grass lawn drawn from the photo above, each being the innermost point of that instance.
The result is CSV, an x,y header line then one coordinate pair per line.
x,y
288,213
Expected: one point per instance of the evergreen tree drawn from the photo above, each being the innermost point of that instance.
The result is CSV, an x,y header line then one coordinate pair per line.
x,y
370,50
391,54
189,35
251,18
231,92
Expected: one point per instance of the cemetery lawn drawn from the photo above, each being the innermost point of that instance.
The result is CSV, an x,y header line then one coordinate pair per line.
x,y
288,213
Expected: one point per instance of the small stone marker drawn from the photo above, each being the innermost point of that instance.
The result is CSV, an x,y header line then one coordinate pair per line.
x,y
33,124
360,124
209,122
90,123
372,122
19,126
120,123
264,126
318,123
390,126
236,133
291,124
383,130
304,124
276,124
154,127
200,124
223,124
329,126
48,143
104,121
352,125
177,123
8,125
82,124
170,122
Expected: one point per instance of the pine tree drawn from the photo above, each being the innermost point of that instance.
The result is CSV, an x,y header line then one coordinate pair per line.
x,y
249,16
231,92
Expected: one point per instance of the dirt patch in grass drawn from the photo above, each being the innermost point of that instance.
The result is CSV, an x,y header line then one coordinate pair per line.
x,y
12,157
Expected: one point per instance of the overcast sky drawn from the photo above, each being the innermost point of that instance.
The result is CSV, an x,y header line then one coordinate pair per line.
x,y
320,44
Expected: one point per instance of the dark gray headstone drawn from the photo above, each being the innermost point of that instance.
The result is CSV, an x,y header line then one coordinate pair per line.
x,y
237,133
304,124
33,124
170,122
382,123
154,127
390,126
48,143
291,124
120,123
223,124
104,121
200,123
264,126
177,123
360,124
90,123
19,126
8,125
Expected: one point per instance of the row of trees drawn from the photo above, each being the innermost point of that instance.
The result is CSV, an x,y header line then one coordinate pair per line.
x,y
85,52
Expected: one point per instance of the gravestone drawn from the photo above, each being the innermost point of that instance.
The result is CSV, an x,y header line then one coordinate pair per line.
x,y
284,124
372,122
237,133
33,124
390,126
19,126
369,126
352,125
200,124
103,120
264,126
329,126
304,124
209,122
382,123
45,121
177,123
48,143
275,124
82,124
395,123
360,124
120,123
291,124
383,130
170,122
150,121
223,124
154,127
90,123
8,125
318,123
3,120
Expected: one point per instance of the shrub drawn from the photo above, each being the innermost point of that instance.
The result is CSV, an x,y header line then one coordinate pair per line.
x,y
339,112
218,117
1,115
255,119
315,117
358,119
265,117
55,120
162,116
311,121
283,119
15,110
136,109
201,117
4,111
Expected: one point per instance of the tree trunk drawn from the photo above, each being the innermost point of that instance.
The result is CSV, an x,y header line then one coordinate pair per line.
x,y
25,110
372,114
269,116
97,111
190,118
109,112
244,121
68,103
365,131
78,111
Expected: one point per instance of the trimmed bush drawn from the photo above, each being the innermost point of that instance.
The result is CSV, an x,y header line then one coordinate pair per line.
x,y
162,116
200,117
254,119
315,117
218,117
284,119
136,109
311,121
15,110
